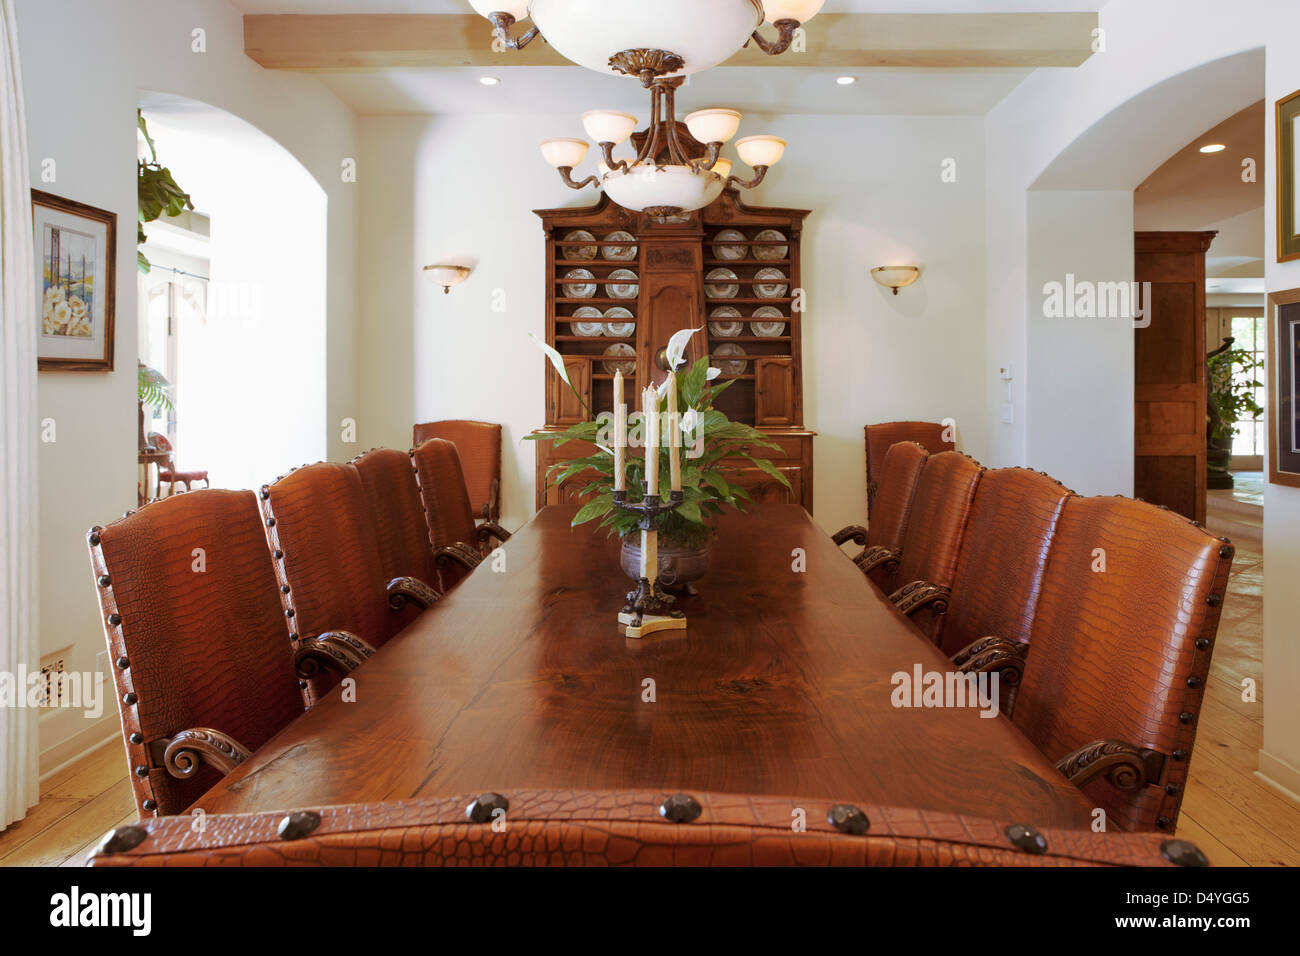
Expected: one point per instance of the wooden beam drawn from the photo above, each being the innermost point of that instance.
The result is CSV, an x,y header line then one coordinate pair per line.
x,y
840,41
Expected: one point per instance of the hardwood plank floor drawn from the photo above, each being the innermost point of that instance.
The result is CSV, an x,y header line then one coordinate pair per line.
x,y
1236,820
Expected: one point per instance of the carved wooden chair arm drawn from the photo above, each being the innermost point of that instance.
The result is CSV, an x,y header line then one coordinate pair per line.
x,y
912,597
1126,766
341,651
874,557
975,648
854,532
184,753
1006,658
490,529
402,590
459,553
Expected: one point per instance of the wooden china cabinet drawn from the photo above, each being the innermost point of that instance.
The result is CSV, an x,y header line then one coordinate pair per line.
x,y
667,291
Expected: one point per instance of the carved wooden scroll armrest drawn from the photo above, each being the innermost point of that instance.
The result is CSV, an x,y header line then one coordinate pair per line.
x,y
183,754
1127,767
492,510
402,590
458,553
490,529
874,557
872,488
1006,658
341,651
854,532
975,648
918,594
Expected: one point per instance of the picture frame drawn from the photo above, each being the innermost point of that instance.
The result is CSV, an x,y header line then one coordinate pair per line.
x,y
76,279
1288,174
1283,359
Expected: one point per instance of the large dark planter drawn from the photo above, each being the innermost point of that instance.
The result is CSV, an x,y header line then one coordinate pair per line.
x,y
1218,462
678,567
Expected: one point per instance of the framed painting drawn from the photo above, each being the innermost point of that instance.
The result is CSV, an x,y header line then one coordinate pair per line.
x,y
1284,388
76,248
1288,174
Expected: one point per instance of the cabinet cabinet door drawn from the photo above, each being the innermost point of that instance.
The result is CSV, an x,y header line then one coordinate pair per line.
x,y
774,391
763,488
565,407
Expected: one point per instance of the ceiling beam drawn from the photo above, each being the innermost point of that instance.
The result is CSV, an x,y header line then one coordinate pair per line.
x,y
834,40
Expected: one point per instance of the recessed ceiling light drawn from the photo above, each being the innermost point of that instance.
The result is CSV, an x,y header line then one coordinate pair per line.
x,y
488,80
1213,148
846,80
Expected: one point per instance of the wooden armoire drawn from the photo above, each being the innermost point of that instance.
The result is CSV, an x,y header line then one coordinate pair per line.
x,y
670,264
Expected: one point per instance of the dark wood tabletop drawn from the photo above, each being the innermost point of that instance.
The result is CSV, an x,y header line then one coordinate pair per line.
x,y
781,684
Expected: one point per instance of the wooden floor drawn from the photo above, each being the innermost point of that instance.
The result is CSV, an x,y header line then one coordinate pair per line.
x,y
1234,818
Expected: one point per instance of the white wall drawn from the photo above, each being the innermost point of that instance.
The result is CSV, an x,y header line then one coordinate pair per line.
x,y
85,65
463,187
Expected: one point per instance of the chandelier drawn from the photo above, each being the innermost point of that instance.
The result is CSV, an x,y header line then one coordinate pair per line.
x,y
692,35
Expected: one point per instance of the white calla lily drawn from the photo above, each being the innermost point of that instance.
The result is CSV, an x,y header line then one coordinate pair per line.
x,y
556,358
712,373
676,350
690,421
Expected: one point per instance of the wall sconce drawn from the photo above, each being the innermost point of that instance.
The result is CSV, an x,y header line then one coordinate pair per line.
x,y
895,277
447,275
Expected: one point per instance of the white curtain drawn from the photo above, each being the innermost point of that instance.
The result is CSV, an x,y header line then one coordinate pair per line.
x,y
19,644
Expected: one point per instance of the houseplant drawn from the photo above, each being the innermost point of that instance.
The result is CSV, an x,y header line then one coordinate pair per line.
x,y
709,439
1231,399
152,390
156,192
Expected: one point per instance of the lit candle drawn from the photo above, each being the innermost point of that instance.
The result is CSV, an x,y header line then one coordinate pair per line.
x,y
674,437
650,408
620,433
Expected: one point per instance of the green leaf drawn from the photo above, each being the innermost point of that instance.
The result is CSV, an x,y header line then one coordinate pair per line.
x,y
593,509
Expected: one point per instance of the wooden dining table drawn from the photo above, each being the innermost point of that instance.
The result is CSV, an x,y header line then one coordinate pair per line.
x,y
781,684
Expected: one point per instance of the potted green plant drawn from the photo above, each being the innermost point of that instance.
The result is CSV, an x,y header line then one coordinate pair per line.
x,y
151,390
157,193
1231,399
711,444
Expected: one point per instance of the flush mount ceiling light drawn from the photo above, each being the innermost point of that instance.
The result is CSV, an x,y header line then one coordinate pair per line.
x,y
648,38
488,80
678,167
1213,148
895,277
846,80
447,275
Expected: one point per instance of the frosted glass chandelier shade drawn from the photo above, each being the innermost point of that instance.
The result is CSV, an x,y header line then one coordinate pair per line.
x,y
608,126
677,187
485,8
761,150
563,151
713,125
801,10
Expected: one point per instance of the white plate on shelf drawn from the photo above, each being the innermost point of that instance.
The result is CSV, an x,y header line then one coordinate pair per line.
x,y
621,290
774,288
624,248
578,252
715,286
620,349
723,321
583,323
769,321
730,244
729,366
619,322
579,290
771,252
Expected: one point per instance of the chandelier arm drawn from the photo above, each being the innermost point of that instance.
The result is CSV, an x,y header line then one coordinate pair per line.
x,y
676,155
706,163
615,165
501,24
566,173
785,36
759,173
651,150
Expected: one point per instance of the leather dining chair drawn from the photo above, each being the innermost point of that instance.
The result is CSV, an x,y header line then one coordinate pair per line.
x,y
479,445
458,543
330,571
167,472
196,639
932,541
1119,653
1003,558
882,540
397,516
881,437
626,828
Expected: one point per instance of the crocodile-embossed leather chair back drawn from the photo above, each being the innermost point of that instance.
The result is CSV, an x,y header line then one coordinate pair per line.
x,y
397,515
1120,648
195,634
576,828
1003,557
899,474
446,500
937,519
327,558
880,438
479,445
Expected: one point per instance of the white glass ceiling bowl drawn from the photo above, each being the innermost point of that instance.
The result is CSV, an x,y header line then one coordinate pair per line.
x,y
702,32
674,186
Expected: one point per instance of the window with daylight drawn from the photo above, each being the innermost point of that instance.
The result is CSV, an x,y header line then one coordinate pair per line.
x,y
1250,332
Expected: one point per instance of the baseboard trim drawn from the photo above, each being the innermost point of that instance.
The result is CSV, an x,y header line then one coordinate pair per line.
x,y
1279,776
78,745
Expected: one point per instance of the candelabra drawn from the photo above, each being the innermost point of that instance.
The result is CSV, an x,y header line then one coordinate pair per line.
x,y
648,609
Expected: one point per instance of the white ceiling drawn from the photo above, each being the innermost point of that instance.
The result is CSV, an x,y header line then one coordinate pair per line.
x,y
832,6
